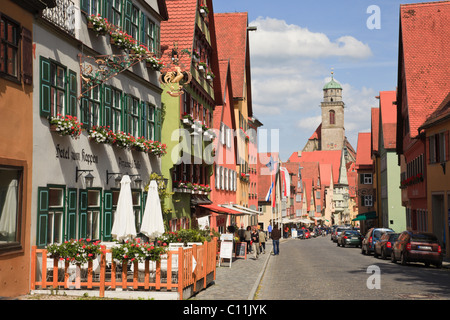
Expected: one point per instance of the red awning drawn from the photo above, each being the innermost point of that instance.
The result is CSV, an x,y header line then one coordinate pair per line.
x,y
218,209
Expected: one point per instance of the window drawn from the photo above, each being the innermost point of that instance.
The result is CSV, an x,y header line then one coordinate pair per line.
x,y
151,36
131,19
438,145
367,201
365,178
10,206
90,107
113,11
148,121
9,47
55,215
332,117
132,115
93,214
55,82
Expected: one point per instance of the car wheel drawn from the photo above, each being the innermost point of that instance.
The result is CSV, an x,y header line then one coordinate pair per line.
x,y
383,254
427,264
344,245
403,259
439,265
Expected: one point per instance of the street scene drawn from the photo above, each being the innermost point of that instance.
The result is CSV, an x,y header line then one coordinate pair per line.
x,y
200,150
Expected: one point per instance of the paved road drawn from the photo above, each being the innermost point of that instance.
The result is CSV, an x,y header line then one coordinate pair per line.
x,y
317,269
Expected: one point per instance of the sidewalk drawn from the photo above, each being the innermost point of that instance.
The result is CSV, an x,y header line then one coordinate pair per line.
x,y
240,282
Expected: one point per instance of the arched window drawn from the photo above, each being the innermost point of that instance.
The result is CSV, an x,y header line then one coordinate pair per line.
x,y
332,117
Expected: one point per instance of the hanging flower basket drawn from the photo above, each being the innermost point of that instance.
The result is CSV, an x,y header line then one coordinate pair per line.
x,y
98,24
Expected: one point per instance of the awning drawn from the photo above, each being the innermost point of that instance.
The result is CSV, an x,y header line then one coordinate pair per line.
x,y
197,200
305,221
241,212
217,209
366,216
250,211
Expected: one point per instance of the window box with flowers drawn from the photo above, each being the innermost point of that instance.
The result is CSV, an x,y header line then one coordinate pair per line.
x,y
102,134
154,63
65,125
204,10
202,67
187,119
122,39
243,177
195,56
210,76
75,251
98,24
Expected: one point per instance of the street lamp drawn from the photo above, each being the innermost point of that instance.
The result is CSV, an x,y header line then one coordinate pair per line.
x,y
89,178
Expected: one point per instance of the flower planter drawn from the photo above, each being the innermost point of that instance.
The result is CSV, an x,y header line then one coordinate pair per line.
x,y
53,128
177,190
186,121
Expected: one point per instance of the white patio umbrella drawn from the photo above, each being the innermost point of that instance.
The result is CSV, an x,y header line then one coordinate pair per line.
x,y
124,227
152,222
9,212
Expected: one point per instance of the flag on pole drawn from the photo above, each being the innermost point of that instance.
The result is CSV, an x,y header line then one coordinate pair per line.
x,y
269,193
286,182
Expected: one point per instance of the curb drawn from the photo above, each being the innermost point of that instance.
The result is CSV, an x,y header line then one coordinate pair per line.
x,y
252,294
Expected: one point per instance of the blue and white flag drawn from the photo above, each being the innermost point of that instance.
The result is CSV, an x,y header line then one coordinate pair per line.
x,y
269,193
270,164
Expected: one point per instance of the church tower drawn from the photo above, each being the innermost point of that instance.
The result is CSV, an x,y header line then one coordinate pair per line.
x,y
332,131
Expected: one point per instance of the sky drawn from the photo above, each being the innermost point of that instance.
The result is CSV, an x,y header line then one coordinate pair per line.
x,y
296,47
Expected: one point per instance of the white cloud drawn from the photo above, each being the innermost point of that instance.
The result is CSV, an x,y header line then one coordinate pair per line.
x,y
288,67
276,38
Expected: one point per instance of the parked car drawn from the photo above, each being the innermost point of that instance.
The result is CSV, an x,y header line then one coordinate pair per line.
x,y
383,247
349,237
337,232
371,238
417,247
332,231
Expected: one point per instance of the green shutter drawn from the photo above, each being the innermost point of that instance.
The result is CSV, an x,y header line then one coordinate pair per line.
x,y
72,90
158,124
71,226
45,86
42,217
82,224
84,5
158,40
107,104
107,215
143,27
107,10
127,16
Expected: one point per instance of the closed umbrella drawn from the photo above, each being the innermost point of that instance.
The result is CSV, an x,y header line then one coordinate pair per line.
x,y
152,222
124,222
9,212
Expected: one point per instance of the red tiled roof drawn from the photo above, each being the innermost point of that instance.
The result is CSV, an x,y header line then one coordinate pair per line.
x,y
388,112
179,28
231,33
425,30
442,112
331,157
325,174
317,134
363,155
375,127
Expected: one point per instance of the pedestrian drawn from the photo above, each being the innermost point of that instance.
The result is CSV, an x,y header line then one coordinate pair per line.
x,y
255,243
269,229
241,233
286,232
248,238
262,241
276,235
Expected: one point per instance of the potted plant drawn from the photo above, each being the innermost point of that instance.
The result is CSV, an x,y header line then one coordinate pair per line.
x,y
101,134
154,63
204,10
66,125
210,75
202,66
98,24
195,56
187,118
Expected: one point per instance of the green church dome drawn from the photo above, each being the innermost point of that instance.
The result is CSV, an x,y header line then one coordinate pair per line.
x,y
332,85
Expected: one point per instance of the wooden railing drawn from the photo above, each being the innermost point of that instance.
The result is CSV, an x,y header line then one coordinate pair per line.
x,y
177,270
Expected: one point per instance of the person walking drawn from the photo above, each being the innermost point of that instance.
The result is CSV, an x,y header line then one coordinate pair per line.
x,y
248,238
276,235
241,233
262,241
255,243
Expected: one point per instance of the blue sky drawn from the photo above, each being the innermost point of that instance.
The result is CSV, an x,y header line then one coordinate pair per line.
x,y
294,49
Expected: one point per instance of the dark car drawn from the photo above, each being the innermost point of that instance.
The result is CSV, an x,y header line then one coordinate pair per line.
x,y
383,247
371,238
417,247
349,237
337,232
